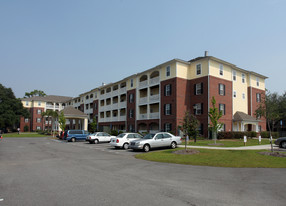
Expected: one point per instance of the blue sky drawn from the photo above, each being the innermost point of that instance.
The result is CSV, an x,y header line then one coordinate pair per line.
x,y
67,47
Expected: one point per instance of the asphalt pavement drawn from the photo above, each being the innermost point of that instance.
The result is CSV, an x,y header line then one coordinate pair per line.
x,y
42,171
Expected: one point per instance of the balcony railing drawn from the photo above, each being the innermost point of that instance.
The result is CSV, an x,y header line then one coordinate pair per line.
x,y
154,115
108,107
143,100
143,116
122,104
122,90
115,92
154,81
122,118
154,98
48,106
143,84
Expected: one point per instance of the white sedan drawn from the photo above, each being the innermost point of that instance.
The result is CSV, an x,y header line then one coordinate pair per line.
x,y
123,139
98,137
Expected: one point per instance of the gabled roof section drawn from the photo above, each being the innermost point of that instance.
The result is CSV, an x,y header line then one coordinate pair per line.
x,y
48,98
71,111
241,116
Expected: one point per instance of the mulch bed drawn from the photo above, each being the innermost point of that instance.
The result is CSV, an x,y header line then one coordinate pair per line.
x,y
187,152
274,154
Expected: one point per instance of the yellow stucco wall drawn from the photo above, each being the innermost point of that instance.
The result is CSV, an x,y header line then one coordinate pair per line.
x,y
252,81
27,106
215,70
240,104
163,70
188,71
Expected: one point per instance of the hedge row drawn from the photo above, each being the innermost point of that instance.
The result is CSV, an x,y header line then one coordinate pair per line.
x,y
265,134
240,135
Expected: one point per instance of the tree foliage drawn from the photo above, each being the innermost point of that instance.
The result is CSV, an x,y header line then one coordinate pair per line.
x,y
93,125
62,121
11,108
51,116
214,115
190,126
35,93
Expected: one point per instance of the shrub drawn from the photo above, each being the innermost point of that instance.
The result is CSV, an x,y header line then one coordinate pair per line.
x,y
26,128
232,135
266,134
114,132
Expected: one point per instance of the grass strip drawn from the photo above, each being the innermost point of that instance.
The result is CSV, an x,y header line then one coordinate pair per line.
x,y
228,143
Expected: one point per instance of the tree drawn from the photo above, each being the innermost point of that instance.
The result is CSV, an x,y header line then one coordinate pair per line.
x,y
51,116
214,115
11,109
35,93
269,108
190,126
93,125
62,121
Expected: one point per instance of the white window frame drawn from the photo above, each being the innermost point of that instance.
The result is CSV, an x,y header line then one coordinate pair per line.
x,y
131,82
27,103
199,89
234,94
39,103
38,128
39,111
168,90
168,127
222,108
38,120
234,75
26,120
221,70
258,97
257,81
198,108
222,89
243,95
168,71
168,109
199,68
243,78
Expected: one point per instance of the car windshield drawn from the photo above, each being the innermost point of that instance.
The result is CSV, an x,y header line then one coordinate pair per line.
x,y
148,136
121,135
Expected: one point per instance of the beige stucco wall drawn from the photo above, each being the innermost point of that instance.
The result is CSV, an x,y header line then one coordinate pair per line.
x,y
240,104
215,69
163,70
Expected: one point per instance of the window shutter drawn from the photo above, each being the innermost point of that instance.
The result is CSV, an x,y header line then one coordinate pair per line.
x,y
194,109
165,90
202,129
202,108
219,89
224,90
164,109
202,90
170,127
170,89
224,109
170,108
195,88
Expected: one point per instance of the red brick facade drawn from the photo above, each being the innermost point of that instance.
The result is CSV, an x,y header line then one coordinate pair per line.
x,y
131,105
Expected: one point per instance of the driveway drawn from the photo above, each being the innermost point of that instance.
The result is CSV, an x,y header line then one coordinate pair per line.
x,y
41,171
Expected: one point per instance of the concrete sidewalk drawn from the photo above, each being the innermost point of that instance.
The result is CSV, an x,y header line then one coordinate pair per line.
x,y
257,147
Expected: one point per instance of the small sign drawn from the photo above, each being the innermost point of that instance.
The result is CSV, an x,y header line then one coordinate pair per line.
x,y
259,139
270,138
245,139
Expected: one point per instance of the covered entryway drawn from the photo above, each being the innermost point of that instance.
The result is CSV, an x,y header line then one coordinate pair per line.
x,y
75,119
243,122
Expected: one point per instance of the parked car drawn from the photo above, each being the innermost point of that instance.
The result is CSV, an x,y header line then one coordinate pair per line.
x,y
160,139
281,142
98,137
75,135
123,140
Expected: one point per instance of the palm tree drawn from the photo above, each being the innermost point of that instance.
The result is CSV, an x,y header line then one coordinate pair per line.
x,y
50,114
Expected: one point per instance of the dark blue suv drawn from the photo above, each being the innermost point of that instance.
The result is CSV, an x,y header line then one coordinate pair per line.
x,y
75,135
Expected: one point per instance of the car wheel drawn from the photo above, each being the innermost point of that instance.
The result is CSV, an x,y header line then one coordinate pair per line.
x,y
96,141
283,145
173,145
90,142
73,139
125,146
146,148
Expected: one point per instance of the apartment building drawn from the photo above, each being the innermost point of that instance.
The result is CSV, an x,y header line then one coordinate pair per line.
x,y
156,99
36,106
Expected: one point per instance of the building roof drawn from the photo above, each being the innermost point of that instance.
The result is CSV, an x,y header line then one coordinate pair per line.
x,y
71,111
241,116
48,98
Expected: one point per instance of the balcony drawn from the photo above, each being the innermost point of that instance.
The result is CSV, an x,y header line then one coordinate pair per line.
x,y
108,107
154,98
142,116
122,90
107,95
154,115
143,84
122,118
154,81
122,104
101,108
143,100
115,106
49,106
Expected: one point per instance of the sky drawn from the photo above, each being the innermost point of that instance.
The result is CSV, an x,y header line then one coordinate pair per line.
x,y
68,47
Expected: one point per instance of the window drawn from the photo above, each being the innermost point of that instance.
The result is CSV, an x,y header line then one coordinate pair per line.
x,y
39,111
87,97
168,71
131,98
243,95
131,113
199,69
234,75
221,89
168,109
26,120
257,81
222,108
234,94
86,106
131,83
131,128
201,129
222,129
168,90
39,103
221,69
259,128
198,109
38,120
243,78
95,106
168,127
27,103
91,96
38,128
198,89
258,97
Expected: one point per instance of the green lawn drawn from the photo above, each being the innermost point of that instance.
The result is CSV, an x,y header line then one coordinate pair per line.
x,y
23,134
217,158
228,143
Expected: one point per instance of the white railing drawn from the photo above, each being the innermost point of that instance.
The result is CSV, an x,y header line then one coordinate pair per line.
x,y
108,107
49,106
114,119
153,131
143,84
107,95
154,98
122,118
143,116
154,115
122,90
115,106
154,81
142,130
88,111
107,119
102,96
115,92
101,108
122,104
143,100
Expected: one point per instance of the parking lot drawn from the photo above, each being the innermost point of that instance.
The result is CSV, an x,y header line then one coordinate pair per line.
x,y
42,171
